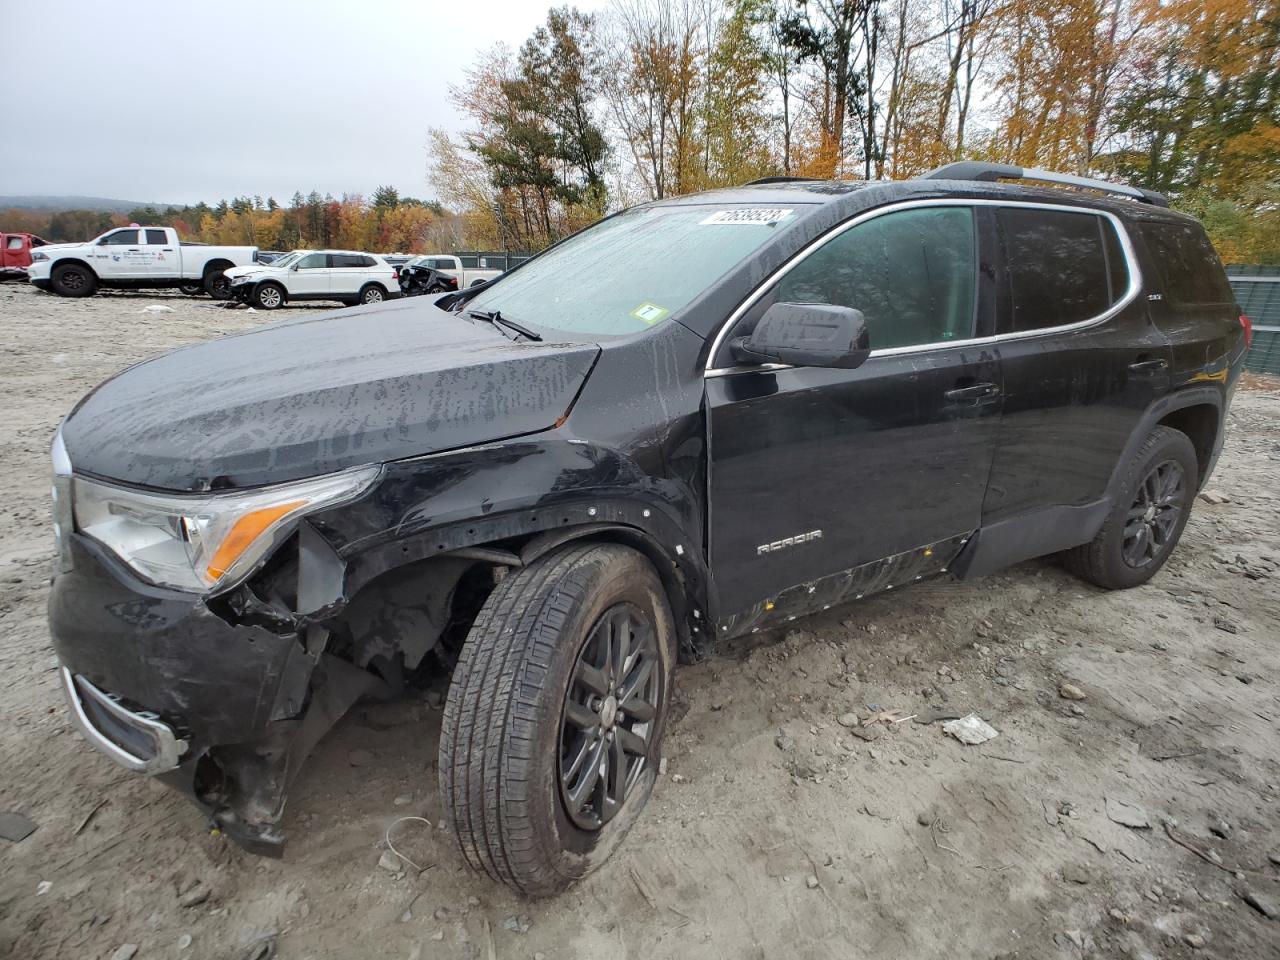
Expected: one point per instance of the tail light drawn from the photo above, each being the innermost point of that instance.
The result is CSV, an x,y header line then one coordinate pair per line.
x,y
1248,329
395,273
453,282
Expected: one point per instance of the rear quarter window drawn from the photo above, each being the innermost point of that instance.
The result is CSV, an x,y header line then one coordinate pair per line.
x,y
1065,266
1188,265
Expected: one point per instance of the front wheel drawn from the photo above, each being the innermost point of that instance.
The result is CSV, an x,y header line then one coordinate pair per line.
x,y
1148,516
269,296
73,280
553,726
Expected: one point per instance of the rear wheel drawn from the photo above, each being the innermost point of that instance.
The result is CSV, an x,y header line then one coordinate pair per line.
x,y
269,296
1148,517
372,293
553,726
73,280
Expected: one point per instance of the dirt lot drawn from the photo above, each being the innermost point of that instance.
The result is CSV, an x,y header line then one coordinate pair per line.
x,y
776,831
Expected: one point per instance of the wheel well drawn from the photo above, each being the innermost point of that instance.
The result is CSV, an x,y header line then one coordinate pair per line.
x,y
432,601
1200,424
213,266
373,283
71,262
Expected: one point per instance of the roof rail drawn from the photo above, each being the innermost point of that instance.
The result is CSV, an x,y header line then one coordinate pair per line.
x,y
994,172
753,183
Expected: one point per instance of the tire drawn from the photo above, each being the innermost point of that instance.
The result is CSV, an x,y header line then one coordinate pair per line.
x,y
269,296
217,285
372,293
191,289
73,280
1148,517
514,712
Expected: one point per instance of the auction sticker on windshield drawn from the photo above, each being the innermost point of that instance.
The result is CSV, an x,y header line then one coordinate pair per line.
x,y
650,313
749,215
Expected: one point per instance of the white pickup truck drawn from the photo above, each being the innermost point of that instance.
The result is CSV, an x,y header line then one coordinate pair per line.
x,y
136,256
467,276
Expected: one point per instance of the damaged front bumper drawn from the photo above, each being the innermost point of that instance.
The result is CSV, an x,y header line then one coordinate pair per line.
x,y
223,712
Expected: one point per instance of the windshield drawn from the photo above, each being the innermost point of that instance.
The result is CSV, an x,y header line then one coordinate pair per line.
x,y
633,270
284,261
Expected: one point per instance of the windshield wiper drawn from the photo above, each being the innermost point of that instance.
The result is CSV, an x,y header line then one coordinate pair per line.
x,y
498,320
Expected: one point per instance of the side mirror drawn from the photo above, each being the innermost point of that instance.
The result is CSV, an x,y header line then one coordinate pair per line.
x,y
807,335
293,267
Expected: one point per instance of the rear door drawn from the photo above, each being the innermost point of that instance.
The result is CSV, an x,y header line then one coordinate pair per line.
x,y
162,257
817,471
348,273
1081,358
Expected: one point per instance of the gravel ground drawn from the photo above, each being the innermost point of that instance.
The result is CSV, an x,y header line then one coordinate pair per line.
x,y
777,831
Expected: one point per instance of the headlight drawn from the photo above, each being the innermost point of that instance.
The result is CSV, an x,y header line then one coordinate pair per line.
x,y
37,256
195,542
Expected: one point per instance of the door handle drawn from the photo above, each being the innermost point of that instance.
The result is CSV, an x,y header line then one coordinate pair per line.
x,y
979,391
1148,366
134,250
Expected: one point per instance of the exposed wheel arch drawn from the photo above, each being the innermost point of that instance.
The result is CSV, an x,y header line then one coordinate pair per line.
x,y
685,593
1206,402
1201,423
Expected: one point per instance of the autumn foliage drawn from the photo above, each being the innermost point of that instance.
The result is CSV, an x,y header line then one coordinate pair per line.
x,y
674,96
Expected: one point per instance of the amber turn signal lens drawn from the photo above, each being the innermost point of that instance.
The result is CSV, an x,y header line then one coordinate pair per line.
x,y
246,530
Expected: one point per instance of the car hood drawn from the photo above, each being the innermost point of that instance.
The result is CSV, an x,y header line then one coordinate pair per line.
x,y
311,396
62,246
248,270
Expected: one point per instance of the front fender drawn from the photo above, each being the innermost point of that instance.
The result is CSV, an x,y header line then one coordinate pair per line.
x,y
527,497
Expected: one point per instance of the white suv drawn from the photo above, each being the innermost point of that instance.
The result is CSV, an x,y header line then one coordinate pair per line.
x,y
347,276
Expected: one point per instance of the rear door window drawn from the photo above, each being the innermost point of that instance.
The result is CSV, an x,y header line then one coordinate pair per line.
x,y
1187,263
157,237
347,260
1058,266
912,274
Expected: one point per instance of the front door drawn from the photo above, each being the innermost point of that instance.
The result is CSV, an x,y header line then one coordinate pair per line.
x,y
310,276
845,467
118,256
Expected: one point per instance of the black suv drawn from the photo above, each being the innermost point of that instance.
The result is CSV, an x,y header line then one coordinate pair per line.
x,y
697,418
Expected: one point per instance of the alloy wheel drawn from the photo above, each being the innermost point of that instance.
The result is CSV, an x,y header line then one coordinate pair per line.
x,y
373,296
269,297
73,280
608,717
1152,519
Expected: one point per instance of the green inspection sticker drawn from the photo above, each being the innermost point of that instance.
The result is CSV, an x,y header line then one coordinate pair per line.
x,y
649,313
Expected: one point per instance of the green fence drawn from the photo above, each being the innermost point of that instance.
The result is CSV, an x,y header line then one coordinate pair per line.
x,y
1257,291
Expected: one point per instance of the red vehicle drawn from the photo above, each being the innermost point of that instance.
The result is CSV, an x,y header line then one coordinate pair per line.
x,y
15,254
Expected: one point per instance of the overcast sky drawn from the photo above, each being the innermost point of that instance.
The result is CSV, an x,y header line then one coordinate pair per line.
x,y
183,100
